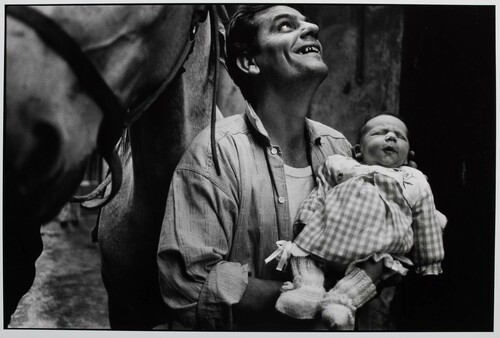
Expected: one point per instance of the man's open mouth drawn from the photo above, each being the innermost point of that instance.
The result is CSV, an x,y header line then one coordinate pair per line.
x,y
309,49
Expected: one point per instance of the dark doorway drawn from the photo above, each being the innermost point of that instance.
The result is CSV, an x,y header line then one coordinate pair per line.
x,y
448,100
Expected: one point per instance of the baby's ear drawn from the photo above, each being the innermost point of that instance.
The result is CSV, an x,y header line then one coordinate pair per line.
x,y
357,152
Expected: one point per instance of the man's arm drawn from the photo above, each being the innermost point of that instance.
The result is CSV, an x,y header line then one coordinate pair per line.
x,y
196,280
260,296
258,306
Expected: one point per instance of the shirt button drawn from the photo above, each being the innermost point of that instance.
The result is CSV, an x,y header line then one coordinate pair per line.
x,y
274,151
281,200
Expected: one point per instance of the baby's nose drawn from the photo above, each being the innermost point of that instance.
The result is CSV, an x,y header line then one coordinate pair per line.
x,y
390,136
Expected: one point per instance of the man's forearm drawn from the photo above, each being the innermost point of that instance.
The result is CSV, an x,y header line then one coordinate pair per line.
x,y
260,296
258,302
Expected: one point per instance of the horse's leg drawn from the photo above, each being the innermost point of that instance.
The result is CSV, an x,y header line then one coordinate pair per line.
x,y
127,248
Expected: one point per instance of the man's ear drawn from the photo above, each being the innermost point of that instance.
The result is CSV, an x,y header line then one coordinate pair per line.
x,y
357,152
247,64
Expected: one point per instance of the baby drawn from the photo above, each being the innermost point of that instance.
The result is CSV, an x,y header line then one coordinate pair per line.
x,y
376,210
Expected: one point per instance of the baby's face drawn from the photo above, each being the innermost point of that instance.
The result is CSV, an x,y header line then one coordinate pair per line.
x,y
385,142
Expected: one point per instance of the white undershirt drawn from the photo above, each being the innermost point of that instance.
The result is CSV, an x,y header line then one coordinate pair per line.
x,y
299,183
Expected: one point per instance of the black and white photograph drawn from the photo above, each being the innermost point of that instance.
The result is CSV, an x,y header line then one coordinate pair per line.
x,y
181,167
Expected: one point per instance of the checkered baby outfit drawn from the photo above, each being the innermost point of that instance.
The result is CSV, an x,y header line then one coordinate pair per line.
x,y
358,210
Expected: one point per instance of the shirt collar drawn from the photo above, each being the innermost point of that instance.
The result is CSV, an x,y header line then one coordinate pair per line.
x,y
313,134
255,121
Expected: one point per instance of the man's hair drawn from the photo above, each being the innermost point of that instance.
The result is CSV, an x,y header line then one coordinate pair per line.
x,y
241,40
362,131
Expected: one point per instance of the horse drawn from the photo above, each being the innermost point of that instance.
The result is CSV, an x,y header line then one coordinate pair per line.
x,y
129,226
74,77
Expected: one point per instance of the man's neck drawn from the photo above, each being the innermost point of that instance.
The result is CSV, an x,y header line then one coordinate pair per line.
x,y
284,120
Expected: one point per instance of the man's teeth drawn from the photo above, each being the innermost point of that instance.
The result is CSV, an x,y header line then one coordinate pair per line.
x,y
310,49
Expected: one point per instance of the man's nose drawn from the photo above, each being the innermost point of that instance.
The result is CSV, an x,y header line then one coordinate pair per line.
x,y
309,29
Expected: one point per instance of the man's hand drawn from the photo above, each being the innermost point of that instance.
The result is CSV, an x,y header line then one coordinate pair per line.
x,y
411,158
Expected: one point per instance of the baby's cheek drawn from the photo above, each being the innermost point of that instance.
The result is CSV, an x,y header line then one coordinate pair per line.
x,y
372,155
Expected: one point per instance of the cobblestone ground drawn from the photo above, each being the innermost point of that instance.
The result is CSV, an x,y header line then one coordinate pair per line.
x,y
68,291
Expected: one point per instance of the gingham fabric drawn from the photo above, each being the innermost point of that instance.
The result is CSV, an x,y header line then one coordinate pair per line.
x,y
358,210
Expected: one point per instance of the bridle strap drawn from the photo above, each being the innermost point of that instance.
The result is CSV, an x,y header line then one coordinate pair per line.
x,y
214,21
133,113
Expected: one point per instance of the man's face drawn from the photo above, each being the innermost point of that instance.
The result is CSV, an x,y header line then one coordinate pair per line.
x,y
288,45
385,142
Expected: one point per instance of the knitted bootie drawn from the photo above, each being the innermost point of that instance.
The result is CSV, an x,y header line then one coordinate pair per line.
x,y
339,305
337,312
303,301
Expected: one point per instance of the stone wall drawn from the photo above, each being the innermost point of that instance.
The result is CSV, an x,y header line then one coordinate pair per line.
x,y
362,48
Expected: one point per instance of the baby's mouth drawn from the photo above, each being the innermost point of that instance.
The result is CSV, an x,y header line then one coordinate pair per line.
x,y
389,150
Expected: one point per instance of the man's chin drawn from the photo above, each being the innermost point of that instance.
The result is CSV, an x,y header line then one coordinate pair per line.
x,y
317,72
321,69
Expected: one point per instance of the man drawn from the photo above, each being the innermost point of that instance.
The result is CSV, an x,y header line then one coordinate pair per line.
x,y
218,229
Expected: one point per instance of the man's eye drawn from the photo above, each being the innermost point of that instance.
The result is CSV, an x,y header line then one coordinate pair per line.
x,y
285,26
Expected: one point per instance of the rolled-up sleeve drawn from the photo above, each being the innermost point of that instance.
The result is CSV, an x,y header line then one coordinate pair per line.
x,y
224,286
196,280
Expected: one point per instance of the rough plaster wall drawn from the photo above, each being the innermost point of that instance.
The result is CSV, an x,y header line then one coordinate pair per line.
x,y
341,102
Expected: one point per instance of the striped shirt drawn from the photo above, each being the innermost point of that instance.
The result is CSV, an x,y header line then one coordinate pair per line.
x,y
360,210
218,230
